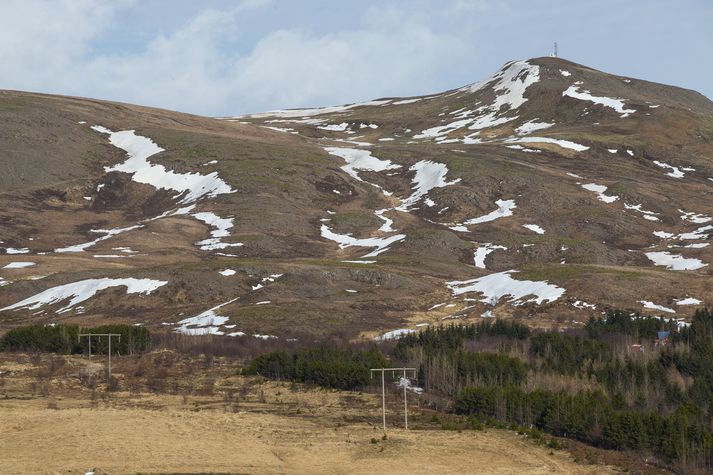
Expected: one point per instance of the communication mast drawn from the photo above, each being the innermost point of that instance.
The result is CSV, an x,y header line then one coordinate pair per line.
x,y
554,52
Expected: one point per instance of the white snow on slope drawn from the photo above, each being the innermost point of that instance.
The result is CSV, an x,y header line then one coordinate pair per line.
x,y
674,261
360,160
584,305
429,175
599,190
653,306
649,215
663,234
407,101
205,323
505,208
562,143
700,233
675,171
83,290
534,228
565,73
18,265
14,250
501,284
509,85
335,127
345,240
220,230
532,126
108,233
394,334
190,186
227,272
694,217
616,104
269,279
386,227
688,301
521,148
302,113
511,82
482,252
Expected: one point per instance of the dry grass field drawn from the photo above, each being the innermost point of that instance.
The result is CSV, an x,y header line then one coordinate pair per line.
x,y
170,414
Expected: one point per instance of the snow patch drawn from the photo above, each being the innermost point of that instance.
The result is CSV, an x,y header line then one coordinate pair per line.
x,y
694,217
360,160
653,306
394,334
335,127
532,126
19,265
482,252
190,186
205,323
649,215
108,233
345,240
675,171
674,261
504,210
297,113
429,175
220,230
83,290
501,284
599,190
15,250
616,104
562,143
534,228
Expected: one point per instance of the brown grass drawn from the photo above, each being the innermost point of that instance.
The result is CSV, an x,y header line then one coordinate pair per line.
x,y
202,418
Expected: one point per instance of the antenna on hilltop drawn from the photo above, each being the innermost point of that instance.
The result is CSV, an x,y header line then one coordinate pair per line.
x,y
553,54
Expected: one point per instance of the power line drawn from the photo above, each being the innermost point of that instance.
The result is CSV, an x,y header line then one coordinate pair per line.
x,y
383,392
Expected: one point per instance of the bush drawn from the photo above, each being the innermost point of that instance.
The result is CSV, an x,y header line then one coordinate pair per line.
x,y
52,339
329,367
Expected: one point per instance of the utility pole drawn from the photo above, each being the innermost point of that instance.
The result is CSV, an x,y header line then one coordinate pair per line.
x,y
383,392
90,335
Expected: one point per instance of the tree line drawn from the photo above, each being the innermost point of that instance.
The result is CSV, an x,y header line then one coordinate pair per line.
x,y
64,339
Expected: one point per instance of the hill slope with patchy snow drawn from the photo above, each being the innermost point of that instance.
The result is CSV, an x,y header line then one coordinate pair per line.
x,y
548,192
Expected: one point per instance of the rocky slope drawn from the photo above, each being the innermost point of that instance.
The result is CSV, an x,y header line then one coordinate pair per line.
x,y
547,192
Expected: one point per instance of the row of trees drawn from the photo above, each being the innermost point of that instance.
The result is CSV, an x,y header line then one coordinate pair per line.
x,y
326,366
589,416
590,385
64,339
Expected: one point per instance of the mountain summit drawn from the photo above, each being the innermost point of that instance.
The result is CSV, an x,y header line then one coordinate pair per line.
x,y
547,192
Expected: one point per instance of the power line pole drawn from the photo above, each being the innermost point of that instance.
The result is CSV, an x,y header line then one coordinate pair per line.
x,y
383,392
89,337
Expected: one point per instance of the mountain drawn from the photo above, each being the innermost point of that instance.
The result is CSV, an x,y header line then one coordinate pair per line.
x,y
547,192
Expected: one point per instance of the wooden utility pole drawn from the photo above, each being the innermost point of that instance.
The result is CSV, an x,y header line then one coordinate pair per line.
x,y
90,335
383,392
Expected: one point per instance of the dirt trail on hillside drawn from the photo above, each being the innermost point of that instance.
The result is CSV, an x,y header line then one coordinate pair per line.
x,y
35,440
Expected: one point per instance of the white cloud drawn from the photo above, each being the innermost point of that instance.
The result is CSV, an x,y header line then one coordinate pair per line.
x,y
48,47
297,69
42,41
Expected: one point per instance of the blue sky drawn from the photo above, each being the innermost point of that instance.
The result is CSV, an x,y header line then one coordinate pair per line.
x,y
232,57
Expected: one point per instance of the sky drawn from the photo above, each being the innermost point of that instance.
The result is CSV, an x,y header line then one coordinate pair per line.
x,y
232,57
